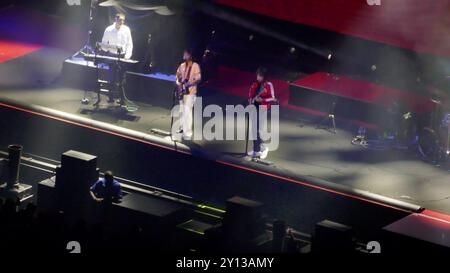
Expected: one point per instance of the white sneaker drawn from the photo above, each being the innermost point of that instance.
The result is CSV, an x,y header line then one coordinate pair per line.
x,y
254,154
264,153
187,137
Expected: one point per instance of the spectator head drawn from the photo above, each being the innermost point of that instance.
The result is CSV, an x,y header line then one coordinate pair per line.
x,y
109,177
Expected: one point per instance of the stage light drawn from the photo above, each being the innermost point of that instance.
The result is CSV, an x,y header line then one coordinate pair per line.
x,y
329,56
208,8
292,50
373,67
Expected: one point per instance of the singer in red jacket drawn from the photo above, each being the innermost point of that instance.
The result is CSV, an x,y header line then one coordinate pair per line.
x,y
261,94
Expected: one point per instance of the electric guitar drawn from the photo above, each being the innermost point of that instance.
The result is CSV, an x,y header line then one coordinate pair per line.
x,y
183,89
253,100
258,95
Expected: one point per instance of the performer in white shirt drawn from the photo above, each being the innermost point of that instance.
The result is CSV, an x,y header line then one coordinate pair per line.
x,y
117,34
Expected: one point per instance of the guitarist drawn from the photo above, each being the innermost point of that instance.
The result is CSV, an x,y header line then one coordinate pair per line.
x,y
188,77
261,94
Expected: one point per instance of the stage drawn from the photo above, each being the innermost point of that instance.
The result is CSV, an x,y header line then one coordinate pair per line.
x,y
303,149
314,174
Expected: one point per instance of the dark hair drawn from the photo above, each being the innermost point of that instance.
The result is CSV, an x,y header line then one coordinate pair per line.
x,y
188,50
109,175
261,71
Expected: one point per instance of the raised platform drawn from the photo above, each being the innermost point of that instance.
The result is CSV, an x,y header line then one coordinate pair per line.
x,y
316,175
313,154
353,99
190,169
154,89
417,231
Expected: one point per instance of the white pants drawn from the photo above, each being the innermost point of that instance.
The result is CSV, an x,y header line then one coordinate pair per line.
x,y
186,106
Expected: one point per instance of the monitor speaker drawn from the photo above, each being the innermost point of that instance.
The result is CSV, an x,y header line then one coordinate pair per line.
x,y
243,218
333,237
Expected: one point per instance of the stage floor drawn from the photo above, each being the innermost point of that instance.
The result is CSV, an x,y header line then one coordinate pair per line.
x,y
303,149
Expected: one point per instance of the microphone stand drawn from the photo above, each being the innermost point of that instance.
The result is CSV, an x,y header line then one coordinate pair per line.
x,y
87,48
247,125
97,71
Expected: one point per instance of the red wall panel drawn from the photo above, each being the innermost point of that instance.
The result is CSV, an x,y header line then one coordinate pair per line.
x,y
419,25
